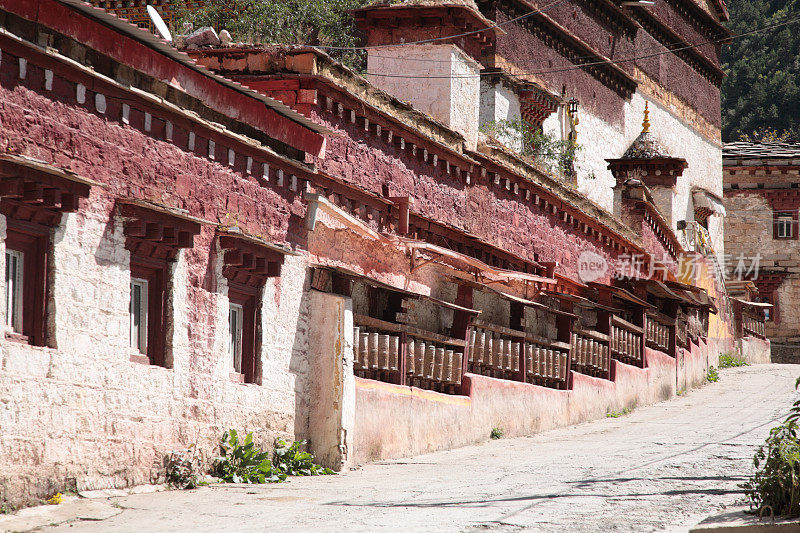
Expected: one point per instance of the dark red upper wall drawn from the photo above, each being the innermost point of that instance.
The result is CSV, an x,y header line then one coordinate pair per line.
x,y
530,54
490,212
52,126
118,45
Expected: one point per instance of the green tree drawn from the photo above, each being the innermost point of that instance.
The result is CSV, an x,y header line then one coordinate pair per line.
x,y
761,94
307,22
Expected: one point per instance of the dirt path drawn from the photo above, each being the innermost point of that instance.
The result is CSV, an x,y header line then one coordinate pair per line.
x,y
660,468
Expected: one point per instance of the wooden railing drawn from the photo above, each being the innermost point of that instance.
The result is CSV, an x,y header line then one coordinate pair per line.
x,y
401,354
590,353
433,366
375,354
754,326
505,353
626,342
658,329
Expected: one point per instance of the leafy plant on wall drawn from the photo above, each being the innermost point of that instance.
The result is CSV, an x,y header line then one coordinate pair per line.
x,y
553,155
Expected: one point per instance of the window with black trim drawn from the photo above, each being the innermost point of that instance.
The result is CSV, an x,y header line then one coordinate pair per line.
x,y
139,314
33,198
243,313
26,281
236,330
247,264
154,236
148,302
15,261
785,224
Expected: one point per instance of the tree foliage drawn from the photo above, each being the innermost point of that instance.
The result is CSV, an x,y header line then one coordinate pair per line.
x,y
307,22
761,94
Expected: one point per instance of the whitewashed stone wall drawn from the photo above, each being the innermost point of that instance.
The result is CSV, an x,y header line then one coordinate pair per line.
x,y
499,103
448,88
81,414
600,140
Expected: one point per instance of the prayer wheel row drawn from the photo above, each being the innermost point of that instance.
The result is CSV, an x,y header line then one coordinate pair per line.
x,y
589,355
425,361
490,351
626,343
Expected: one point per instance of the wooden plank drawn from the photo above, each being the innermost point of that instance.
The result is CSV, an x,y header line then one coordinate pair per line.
x,y
366,321
596,335
661,318
520,335
624,324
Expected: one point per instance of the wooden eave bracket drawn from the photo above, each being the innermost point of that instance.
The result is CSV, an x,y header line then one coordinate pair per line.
x,y
479,268
163,228
37,191
249,260
385,286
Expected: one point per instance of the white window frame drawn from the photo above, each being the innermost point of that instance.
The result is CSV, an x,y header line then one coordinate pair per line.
x,y
235,333
14,285
785,222
138,334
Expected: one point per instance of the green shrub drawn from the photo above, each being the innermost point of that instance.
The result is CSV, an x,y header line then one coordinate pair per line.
x,y
617,414
776,483
729,361
713,375
182,468
496,434
554,154
290,460
243,462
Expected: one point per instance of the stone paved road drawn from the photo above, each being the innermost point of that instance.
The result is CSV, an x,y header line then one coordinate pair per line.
x,y
663,467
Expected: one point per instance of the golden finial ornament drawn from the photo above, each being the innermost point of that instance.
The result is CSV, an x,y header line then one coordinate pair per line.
x,y
646,121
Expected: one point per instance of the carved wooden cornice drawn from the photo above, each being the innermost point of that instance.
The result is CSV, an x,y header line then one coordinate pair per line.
x,y
574,48
671,40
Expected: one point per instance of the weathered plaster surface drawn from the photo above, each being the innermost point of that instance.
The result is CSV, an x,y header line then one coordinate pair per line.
x,y
330,379
447,87
753,350
425,421
693,364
